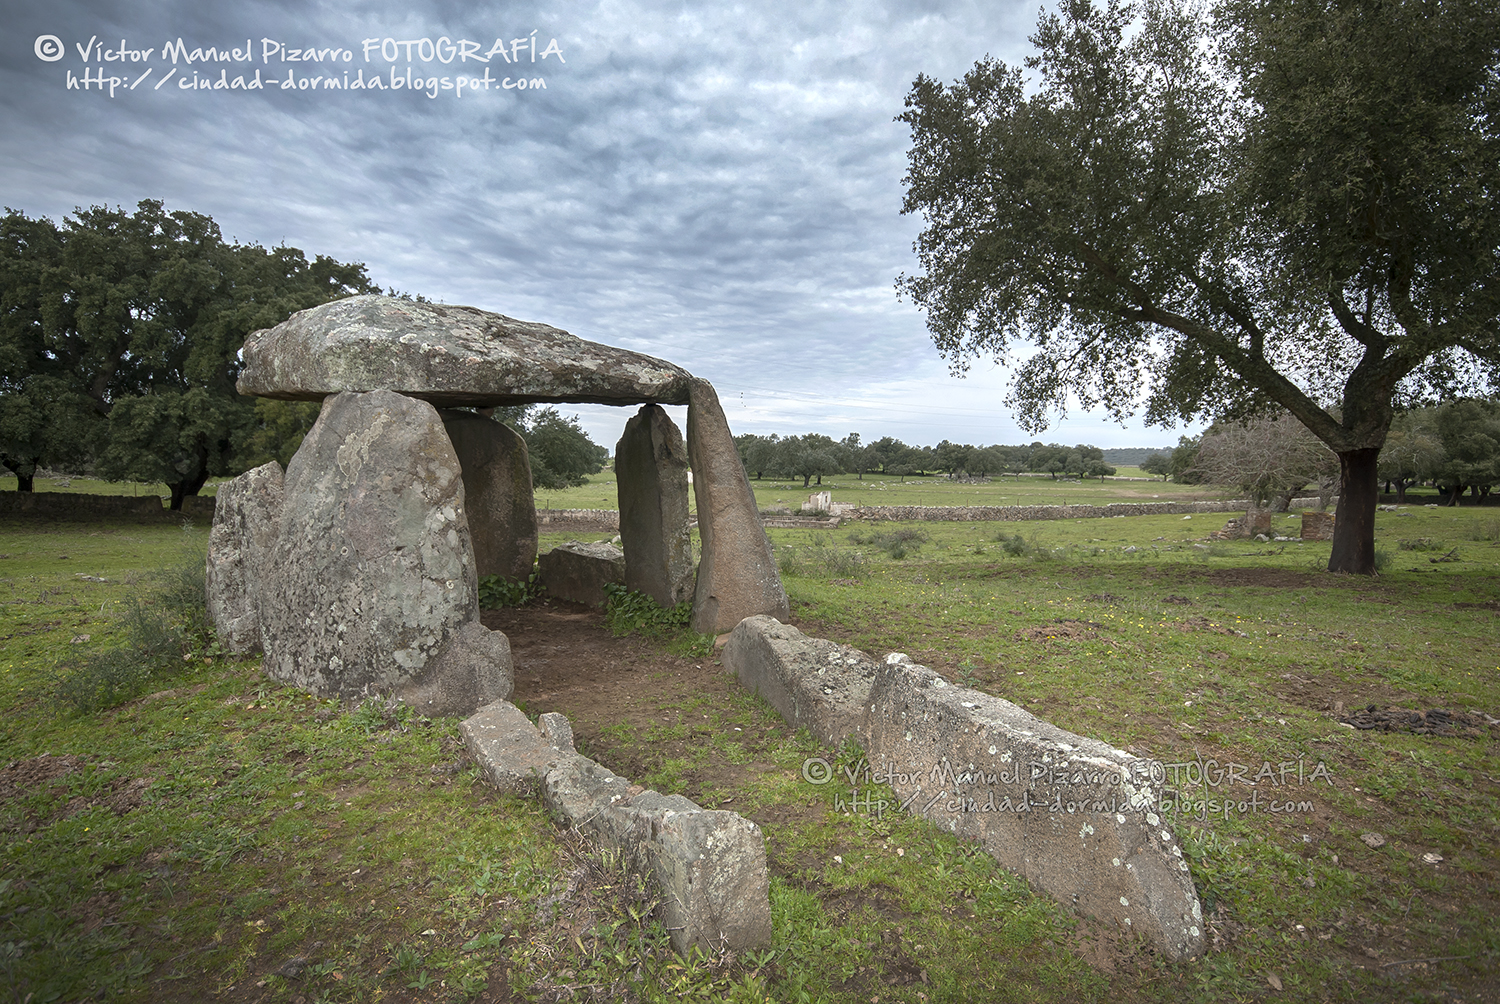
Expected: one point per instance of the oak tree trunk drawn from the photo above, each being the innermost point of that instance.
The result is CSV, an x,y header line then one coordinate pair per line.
x,y
1354,519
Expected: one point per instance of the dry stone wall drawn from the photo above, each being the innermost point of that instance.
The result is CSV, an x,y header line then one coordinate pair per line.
x,y
979,513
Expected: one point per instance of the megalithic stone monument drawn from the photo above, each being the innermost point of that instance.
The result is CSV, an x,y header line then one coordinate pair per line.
x,y
376,519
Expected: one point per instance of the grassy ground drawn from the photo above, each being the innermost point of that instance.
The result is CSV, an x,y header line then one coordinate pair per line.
x,y
200,840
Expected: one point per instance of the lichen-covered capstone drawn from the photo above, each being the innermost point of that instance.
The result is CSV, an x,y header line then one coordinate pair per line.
x,y
449,356
242,539
372,576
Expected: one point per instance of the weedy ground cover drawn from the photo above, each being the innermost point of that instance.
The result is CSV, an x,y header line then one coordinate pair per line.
x,y
221,836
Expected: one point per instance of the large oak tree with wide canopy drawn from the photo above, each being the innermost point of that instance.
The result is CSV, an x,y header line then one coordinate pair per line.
x,y
1281,204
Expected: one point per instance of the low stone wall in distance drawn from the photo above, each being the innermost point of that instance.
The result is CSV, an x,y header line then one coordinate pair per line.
x,y
79,507
582,520
978,513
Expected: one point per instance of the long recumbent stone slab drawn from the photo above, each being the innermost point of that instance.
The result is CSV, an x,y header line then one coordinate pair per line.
x,y
709,866
1076,817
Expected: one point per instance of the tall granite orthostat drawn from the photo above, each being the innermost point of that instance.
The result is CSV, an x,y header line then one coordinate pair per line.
x,y
497,487
737,575
391,511
651,463
372,580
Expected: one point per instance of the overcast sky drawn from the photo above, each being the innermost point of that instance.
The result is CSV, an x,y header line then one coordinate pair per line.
x,y
718,185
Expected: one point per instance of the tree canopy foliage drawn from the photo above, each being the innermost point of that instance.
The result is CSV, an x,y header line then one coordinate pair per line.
x,y
119,341
813,456
561,454
1284,204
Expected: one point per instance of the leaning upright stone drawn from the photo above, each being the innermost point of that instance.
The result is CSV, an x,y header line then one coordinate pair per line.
x,y
372,588
239,546
737,575
497,490
651,466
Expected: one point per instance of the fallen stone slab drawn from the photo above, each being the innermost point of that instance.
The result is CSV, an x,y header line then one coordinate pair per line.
x,y
240,544
449,356
737,576
708,866
813,683
579,572
1076,817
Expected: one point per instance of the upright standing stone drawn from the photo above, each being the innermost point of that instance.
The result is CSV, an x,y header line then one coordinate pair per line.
x,y
497,492
373,588
651,465
737,573
242,539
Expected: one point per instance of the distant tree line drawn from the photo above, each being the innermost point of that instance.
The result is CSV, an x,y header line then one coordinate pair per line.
x,y
1453,446
120,336
813,455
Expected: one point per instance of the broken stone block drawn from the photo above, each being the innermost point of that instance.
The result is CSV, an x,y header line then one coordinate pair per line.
x,y
709,866
1317,525
579,572
651,468
737,576
372,573
508,748
813,683
498,497
471,670
239,546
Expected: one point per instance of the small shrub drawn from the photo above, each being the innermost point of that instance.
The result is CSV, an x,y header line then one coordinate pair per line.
x,y
896,543
1018,546
496,591
1383,558
1488,530
1420,544
628,612
160,627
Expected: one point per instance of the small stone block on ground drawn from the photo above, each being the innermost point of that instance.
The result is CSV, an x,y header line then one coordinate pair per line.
x,y
508,748
579,572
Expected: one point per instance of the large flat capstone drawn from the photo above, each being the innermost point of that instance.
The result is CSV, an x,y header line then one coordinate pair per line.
x,y
1076,817
449,356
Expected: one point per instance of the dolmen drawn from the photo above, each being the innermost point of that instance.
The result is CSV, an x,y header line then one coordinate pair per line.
x,y
356,569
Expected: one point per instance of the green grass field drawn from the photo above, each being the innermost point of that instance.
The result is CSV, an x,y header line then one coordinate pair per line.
x,y
221,820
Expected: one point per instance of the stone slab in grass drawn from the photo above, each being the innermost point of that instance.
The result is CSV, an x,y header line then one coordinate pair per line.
x,y
708,865
1075,816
